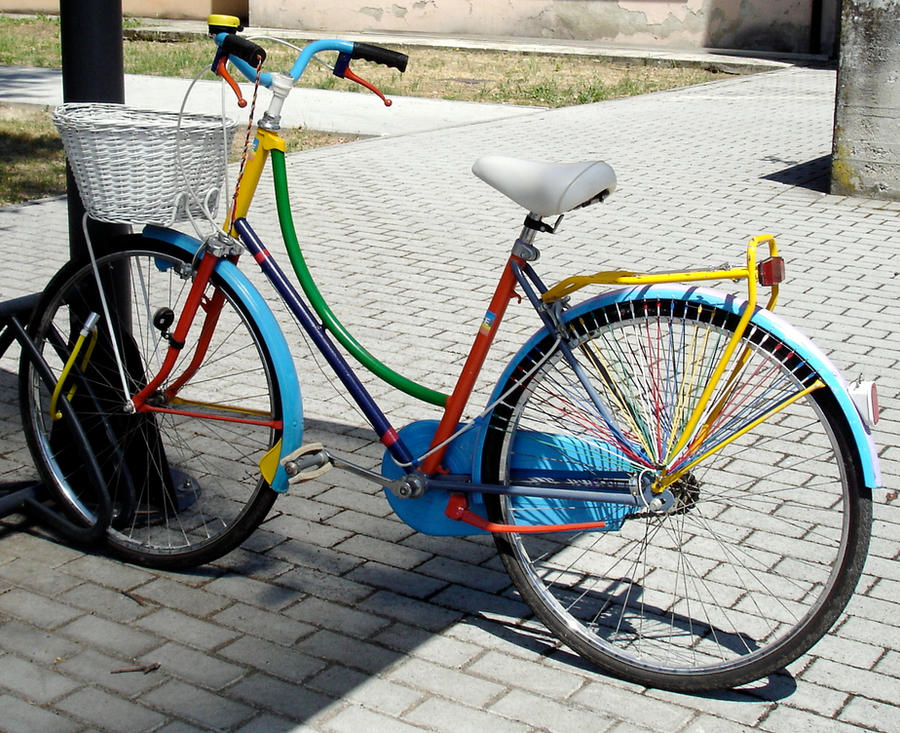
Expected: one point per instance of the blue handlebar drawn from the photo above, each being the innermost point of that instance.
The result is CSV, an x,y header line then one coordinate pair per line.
x,y
300,64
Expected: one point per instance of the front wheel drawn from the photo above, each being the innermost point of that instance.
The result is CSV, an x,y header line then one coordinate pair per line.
x,y
184,481
766,538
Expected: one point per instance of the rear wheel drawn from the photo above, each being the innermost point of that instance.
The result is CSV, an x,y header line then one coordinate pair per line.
x,y
184,481
767,530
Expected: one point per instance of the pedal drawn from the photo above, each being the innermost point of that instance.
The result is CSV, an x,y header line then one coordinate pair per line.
x,y
306,462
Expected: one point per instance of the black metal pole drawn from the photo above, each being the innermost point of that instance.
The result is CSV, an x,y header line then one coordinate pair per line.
x,y
93,70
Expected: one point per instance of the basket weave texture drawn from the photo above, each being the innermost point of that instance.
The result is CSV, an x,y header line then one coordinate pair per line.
x,y
125,164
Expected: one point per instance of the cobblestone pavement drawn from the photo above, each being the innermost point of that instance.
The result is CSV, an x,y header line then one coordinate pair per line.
x,y
335,616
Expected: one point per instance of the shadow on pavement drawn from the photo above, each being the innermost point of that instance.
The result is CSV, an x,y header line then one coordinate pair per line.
x,y
813,174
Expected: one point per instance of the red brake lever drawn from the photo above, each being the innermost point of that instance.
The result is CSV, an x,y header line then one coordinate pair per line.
x,y
223,72
348,74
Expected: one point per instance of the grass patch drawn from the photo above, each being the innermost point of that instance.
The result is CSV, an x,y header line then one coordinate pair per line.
x,y
440,73
32,154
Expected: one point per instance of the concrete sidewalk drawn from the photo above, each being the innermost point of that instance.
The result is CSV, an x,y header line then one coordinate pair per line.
x,y
315,109
335,617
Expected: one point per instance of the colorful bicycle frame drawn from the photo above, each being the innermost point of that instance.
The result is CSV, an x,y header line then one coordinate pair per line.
x,y
438,463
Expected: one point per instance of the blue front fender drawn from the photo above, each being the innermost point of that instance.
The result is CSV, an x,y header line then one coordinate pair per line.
x,y
285,373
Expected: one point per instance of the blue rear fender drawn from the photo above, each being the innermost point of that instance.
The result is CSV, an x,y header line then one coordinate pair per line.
x,y
285,373
802,346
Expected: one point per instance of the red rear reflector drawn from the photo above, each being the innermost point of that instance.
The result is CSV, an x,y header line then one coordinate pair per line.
x,y
771,271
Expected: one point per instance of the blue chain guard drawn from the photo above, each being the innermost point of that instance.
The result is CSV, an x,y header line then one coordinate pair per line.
x,y
426,514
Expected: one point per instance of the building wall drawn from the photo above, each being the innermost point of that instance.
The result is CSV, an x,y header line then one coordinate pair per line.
x,y
776,25
866,153
761,25
196,9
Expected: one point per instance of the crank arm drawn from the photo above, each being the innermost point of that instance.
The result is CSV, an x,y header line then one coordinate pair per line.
x,y
312,460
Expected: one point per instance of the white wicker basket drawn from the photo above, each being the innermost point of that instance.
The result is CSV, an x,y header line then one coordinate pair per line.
x,y
125,164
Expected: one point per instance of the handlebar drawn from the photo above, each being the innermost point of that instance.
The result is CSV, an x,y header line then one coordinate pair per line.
x,y
246,55
378,55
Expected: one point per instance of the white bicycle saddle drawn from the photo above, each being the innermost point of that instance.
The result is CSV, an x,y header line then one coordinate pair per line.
x,y
546,189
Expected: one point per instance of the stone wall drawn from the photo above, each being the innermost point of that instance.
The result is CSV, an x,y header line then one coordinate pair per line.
x,y
193,9
866,153
762,25
796,26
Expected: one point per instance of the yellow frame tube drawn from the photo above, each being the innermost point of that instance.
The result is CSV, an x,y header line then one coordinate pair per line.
x,y
626,277
265,141
671,478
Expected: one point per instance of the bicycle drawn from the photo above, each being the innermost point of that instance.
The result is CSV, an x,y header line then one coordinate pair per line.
x,y
678,482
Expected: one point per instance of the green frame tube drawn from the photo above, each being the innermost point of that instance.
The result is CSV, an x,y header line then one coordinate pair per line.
x,y
331,322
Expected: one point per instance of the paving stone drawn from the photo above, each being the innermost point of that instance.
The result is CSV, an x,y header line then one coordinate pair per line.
x,y
36,609
35,644
847,651
560,716
418,613
29,572
453,684
193,666
165,592
530,676
283,698
871,715
388,553
464,573
108,635
734,706
372,692
112,604
324,585
353,719
253,592
710,724
351,652
632,706
102,670
107,572
318,612
859,681
110,712
266,723
451,717
783,718
19,715
444,650
179,726
274,659
272,626
33,681
197,705
389,578
186,629
244,562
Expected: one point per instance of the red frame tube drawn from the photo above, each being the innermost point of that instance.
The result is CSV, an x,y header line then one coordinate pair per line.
x,y
195,297
456,403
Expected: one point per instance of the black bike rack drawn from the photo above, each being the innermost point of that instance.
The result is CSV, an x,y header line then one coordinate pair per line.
x,y
28,497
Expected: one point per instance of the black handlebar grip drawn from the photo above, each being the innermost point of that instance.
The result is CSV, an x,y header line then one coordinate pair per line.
x,y
242,48
378,55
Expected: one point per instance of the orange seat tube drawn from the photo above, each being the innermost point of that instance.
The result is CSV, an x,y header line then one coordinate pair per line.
x,y
472,368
